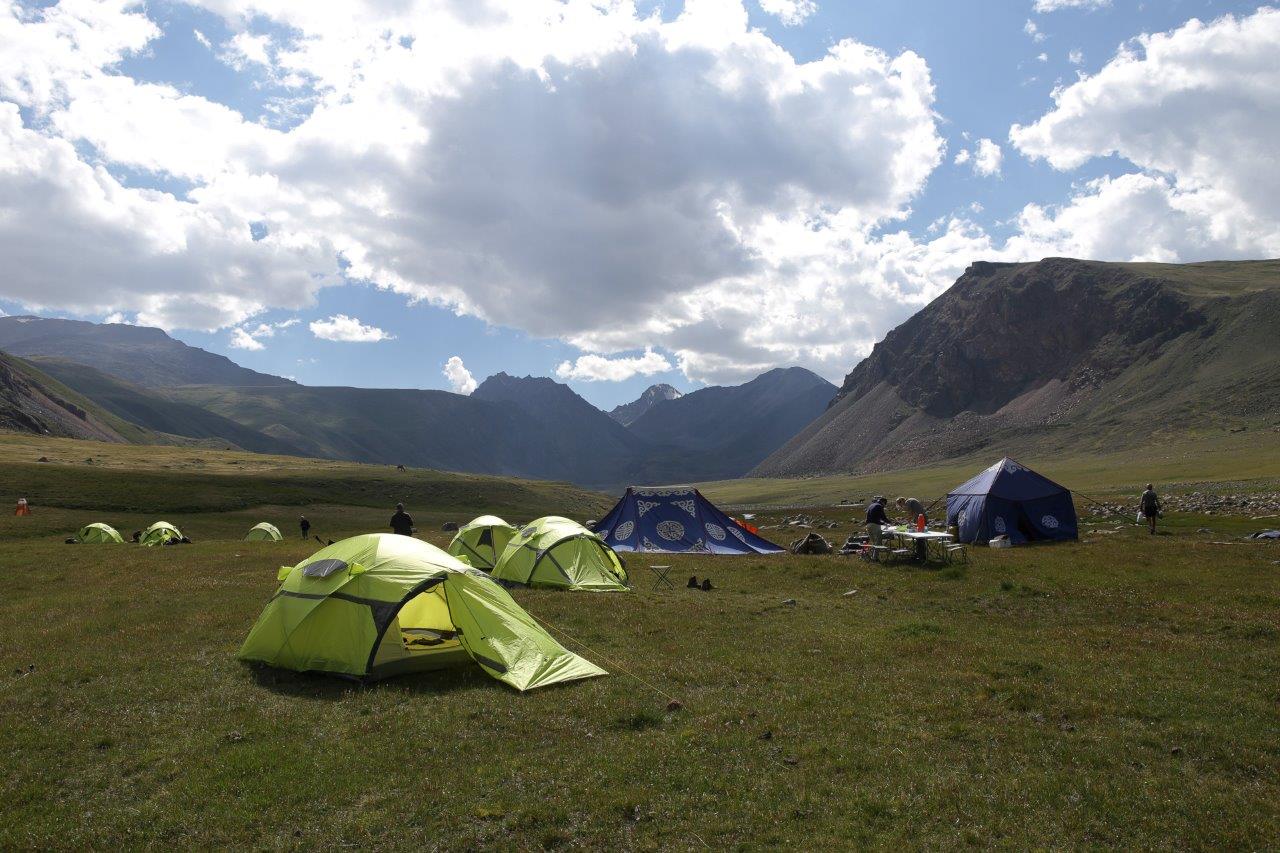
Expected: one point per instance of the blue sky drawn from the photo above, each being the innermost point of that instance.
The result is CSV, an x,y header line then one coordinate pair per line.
x,y
513,255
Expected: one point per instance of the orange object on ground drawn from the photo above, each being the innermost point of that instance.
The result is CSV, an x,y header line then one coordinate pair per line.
x,y
22,509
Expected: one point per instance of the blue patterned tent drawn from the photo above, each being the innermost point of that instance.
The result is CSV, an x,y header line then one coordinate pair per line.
x,y
1009,499
676,520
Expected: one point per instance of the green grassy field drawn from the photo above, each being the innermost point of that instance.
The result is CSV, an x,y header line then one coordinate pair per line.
x,y
1248,461
1123,691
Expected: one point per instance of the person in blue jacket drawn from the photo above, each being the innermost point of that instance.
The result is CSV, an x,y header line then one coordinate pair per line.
x,y
876,520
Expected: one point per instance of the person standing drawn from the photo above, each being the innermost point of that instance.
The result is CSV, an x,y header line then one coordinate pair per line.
x,y
402,522
1150,503
304,525
915,511
876,520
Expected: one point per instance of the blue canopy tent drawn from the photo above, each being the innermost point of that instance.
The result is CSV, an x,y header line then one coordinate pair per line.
x,y
1011,500
676,520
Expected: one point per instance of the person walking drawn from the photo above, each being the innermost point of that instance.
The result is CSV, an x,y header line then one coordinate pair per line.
x,y
304,525
402,522
1150,504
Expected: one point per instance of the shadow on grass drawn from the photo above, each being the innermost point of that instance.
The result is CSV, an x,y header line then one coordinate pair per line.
x,y
330,688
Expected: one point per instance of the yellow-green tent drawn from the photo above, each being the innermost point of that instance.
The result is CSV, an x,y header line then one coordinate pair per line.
x,y
481,541
97,533
380,604
263,532
160,533
556,552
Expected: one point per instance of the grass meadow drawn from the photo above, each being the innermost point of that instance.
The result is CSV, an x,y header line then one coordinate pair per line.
x,y
1119,692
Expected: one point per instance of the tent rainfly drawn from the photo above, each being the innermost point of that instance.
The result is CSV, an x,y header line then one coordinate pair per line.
x,y
559,553
1009,499
160,533
482,541
98,533
676,520
263,532
380,604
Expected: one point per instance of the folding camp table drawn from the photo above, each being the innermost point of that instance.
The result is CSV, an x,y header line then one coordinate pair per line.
x,y
660,573
927,536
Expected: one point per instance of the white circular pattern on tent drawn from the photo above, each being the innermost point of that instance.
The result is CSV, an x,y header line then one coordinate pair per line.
x,y
603,534
1013,467
672,531
623,531
962,518
998,524
738,533
715,531
1050,522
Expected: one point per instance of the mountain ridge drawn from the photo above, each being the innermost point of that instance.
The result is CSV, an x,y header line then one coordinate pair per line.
x,y
627,413
140,355
1061,352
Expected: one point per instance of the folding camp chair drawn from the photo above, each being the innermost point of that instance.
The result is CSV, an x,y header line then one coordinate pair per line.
x,y
660,577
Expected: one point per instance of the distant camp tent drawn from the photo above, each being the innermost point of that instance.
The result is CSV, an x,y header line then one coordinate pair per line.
x,y
380,604
160,533
676,520
482,541
1009,499
559,553
263,532
97,533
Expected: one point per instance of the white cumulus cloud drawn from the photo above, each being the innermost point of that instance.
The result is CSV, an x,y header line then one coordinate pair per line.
x,y
250,338
987,158
460,379
790,12
595,368
1196,111
340,327
242,339
1031,29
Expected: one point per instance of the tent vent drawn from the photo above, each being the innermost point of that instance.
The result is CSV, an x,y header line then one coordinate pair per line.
x,y
323,568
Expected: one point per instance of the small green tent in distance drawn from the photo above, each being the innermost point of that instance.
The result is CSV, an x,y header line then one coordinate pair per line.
x,y
381,604
97,533
263,532
482,541
159,533
559,553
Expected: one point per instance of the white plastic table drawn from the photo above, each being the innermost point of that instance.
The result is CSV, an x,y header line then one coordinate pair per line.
x,y
926,536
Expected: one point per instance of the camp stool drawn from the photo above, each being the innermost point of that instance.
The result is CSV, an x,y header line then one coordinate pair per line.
x,y
875,553
660,577
956,550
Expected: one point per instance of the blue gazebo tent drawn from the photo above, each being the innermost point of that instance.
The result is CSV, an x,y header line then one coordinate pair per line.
x,y
676,520
1009,499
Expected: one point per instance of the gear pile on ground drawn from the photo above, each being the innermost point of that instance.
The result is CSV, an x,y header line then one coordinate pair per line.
x,y
811,544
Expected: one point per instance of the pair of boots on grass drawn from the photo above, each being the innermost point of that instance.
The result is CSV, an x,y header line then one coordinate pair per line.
x,y
705,586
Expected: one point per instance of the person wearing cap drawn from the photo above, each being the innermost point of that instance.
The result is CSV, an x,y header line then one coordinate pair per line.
x,y
402,522
876,520
1150,504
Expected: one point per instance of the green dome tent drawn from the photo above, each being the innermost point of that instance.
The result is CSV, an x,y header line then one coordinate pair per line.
x,y
380,604
160,533
263,532
557,552
482,540
98,533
